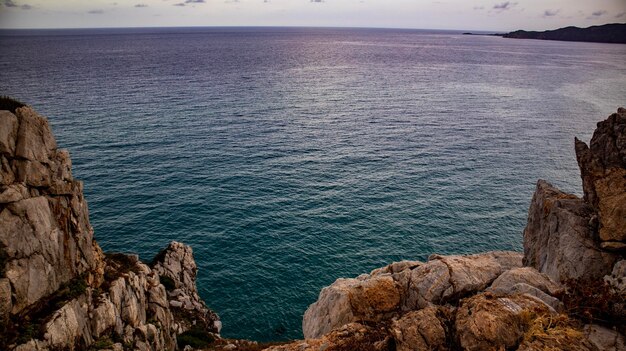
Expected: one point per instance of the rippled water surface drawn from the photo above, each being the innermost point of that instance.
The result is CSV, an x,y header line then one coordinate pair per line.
x,y
290,157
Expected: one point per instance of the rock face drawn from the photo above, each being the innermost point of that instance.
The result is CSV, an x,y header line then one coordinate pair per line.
x,y
45,237
58,290
603,170
380,295
176,263
558,238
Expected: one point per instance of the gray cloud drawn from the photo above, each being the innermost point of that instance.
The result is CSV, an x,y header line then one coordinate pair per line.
x,y
141,5
620,14
598,13
11,3
194,2
479,7
95,12
180,4
317,1
504,6
550,13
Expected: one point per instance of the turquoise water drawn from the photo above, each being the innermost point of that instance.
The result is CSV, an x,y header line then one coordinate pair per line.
x,y
290,157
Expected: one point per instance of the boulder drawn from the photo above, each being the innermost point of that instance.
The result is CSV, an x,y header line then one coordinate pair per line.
x,y
348,300
404,286
558,238
445,278
491,322
526,275
426,329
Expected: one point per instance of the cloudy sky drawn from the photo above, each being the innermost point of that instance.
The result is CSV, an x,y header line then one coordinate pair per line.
x,y
491,15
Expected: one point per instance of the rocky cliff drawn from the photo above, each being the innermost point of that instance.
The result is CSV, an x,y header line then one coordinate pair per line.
x,y
59,291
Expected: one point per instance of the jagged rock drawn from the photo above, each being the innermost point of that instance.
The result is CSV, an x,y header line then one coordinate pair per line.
x,y
5,300
46,242
558,237
176,262
104,318
425,329
13,193
489,322
352,336
376,297
332,309
603,170
617,278
8,132
605,339
528,280
67,326
527,275
396,267
444,278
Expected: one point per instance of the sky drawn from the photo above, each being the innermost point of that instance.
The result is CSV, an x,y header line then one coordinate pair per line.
x,y
487,15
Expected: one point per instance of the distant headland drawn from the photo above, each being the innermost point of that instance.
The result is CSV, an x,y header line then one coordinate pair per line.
x,y
609,33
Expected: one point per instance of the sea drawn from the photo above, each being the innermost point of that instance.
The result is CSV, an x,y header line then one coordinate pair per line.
x,y
290,157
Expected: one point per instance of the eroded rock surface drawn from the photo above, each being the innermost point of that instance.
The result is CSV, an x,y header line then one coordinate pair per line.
x,y
415,285
558,238
603,170
45,235
57,288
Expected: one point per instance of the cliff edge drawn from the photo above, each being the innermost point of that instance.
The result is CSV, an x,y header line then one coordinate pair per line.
x,y
58,290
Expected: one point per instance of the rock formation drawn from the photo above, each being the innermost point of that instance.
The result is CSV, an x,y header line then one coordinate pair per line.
x,y
58,290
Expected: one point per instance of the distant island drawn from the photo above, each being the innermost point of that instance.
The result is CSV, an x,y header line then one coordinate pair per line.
x,y
609,33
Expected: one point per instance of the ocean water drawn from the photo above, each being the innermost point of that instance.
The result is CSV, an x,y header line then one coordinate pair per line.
x,y
289,157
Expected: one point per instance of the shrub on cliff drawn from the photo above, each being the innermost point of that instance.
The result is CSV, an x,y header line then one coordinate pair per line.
x,y
10,104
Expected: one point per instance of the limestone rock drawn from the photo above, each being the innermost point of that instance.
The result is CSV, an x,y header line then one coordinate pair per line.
x,y
34,137
352,336
331,310
558,237
605,339
489,322
444,278
530,276
176,262
8,132
411,286
617,278
396,267
425,329
67,326
603,170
